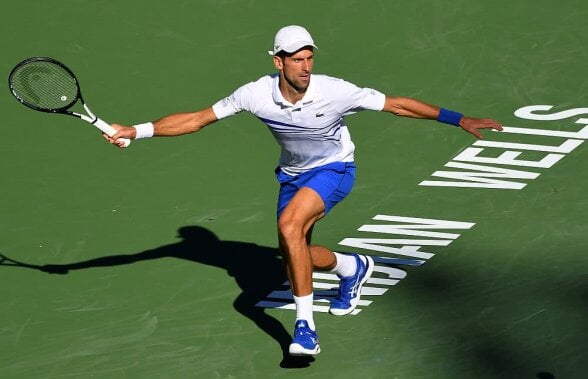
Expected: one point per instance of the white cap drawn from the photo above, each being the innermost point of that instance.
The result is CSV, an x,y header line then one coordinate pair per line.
x,y
291,38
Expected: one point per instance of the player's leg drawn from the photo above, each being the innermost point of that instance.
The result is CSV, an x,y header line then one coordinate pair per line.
x,y
323,259
305,208
294,225
353,269
304,200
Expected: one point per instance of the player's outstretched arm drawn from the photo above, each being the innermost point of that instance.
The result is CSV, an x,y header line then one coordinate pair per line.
x,y
172,125
407,107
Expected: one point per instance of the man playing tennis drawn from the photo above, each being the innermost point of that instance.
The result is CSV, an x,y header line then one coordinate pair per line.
x,y
305,113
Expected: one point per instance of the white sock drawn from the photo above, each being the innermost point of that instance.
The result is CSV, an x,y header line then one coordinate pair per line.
x,y
346,265
304,309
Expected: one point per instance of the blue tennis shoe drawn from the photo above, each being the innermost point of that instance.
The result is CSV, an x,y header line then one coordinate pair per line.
x,y
305,341
350,286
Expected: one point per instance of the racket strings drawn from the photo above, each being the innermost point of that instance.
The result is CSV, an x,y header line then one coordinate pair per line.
x,y
45,85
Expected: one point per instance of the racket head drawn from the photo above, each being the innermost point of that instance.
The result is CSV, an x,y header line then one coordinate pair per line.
x,y
44,84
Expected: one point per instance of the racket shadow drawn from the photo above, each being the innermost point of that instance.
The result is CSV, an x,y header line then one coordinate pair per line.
x,y
256,269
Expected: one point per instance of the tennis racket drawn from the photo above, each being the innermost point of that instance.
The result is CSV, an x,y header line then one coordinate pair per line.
x,y
47,85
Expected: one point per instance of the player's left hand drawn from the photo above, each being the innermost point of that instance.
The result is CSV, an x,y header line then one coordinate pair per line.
x,y
474,125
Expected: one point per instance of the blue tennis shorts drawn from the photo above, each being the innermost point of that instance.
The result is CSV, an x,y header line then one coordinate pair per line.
x,y
332,182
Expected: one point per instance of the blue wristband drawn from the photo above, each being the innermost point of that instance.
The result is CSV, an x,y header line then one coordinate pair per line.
x,y
449,117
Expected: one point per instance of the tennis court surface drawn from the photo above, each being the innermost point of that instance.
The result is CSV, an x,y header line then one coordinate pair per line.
x,y
160,261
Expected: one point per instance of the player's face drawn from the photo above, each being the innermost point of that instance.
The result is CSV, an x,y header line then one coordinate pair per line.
x,y
296,69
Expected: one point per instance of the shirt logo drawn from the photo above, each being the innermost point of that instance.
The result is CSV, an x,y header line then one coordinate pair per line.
x,y
320,114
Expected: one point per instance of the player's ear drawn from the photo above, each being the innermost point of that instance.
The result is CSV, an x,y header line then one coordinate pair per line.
x,y
278,62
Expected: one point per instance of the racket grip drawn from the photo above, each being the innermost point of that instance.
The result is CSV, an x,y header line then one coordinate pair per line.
x,y
107,129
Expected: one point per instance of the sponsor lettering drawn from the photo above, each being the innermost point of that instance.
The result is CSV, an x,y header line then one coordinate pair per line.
x,y
479,171
389,268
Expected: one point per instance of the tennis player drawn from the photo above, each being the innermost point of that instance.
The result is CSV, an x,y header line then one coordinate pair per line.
x,y
306,112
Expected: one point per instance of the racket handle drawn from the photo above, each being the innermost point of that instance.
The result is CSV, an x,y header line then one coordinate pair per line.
x,y
106,128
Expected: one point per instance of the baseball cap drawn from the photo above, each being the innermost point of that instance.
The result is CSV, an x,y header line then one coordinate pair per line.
x,y
291,38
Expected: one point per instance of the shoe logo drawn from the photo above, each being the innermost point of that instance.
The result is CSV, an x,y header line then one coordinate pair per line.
x,y
319,114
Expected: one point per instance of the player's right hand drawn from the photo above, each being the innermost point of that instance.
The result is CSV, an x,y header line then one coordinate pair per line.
x,y
121,132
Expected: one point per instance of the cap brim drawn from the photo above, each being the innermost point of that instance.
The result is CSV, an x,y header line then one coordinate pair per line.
x,y
293,48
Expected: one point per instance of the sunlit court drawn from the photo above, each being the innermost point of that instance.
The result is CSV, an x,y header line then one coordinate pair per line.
x,y
164,257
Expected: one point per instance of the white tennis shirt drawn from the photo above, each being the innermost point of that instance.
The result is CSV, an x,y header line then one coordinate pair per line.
x,y
311,132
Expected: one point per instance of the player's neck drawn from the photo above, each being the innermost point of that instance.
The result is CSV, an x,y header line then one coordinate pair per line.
x,y
291,93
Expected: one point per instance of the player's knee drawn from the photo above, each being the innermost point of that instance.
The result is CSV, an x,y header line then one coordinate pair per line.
x,y
289,229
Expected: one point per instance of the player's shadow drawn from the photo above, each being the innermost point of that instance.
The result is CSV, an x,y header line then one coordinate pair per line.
x,y
256,269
